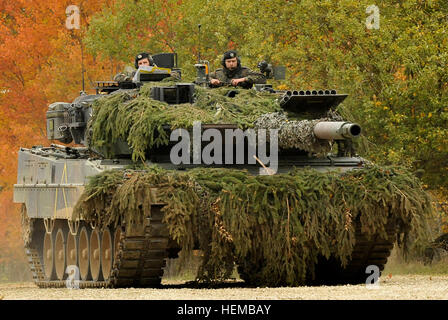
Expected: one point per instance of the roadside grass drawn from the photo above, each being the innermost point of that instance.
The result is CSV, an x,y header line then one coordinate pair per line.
x,y
397,265
15,272
176,271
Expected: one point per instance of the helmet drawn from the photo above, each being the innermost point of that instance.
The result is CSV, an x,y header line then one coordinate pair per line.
x,y
230,55
141,56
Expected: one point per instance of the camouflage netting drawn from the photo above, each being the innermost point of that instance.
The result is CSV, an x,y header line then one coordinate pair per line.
x,y
132,116
279,223
295,133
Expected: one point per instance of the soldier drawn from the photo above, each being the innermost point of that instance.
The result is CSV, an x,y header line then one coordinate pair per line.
x,y
233,73
142,59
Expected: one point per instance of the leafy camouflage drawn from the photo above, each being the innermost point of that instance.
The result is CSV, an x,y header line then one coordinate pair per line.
x,y
295,134
279,223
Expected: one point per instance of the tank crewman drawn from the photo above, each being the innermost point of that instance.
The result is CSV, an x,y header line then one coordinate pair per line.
x,y
142,59
234,74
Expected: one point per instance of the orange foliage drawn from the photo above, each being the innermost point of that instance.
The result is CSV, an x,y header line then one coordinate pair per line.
x,y
400,74
40,62
11,248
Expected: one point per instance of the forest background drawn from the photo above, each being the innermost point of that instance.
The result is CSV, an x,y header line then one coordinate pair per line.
x,y
395,71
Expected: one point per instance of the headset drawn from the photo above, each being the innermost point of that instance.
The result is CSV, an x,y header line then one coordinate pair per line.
x,y
141,56
229,56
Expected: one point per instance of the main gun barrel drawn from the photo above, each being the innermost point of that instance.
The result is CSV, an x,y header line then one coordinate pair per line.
x,y
337,130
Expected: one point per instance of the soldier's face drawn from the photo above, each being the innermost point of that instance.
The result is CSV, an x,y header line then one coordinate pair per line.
x,y
143,62
231,64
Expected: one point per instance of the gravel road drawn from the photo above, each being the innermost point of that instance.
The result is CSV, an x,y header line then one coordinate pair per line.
x,y
391,287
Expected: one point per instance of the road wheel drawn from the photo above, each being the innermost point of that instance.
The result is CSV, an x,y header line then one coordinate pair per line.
x,y
60,257
84,254
106,253
95,254
48,256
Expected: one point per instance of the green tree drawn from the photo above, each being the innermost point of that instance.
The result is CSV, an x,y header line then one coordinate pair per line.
x,y
396,76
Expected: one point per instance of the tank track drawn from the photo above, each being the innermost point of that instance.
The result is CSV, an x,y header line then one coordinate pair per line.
x,y
367,251
139,260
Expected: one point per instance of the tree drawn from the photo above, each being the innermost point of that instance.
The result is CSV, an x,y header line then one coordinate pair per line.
x,y
396,76
40,62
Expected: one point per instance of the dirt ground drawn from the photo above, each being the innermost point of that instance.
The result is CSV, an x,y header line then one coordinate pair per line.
x,y
408,287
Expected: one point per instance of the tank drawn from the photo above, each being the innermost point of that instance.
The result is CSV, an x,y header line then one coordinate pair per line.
x,y
65,248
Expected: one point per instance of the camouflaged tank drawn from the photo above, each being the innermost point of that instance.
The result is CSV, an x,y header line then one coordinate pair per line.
x,y
65,248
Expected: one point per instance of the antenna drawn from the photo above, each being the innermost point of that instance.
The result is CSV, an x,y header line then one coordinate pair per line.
x,y
82,68
202,66
199,43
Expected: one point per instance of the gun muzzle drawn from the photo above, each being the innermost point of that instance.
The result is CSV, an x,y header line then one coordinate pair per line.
x,y
337,130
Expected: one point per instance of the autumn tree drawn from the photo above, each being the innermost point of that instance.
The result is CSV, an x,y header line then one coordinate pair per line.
x,y
40,62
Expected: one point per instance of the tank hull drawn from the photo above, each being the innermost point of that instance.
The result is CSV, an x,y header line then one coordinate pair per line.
x,y
50,182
